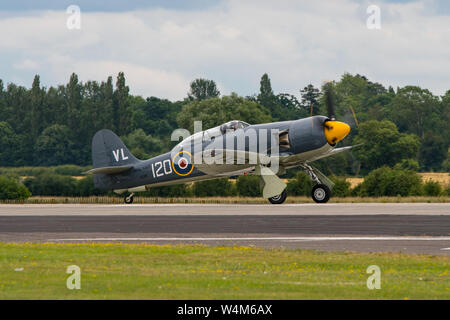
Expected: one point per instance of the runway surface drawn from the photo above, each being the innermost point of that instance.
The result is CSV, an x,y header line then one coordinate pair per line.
x,y
409,228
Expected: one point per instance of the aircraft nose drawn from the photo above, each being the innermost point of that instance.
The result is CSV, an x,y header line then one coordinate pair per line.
x,y
335,131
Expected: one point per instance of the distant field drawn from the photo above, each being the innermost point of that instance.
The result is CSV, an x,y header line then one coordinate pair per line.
x,y
119,271
220,200
442,177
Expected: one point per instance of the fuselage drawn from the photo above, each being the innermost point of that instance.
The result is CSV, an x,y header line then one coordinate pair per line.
x,y
219,153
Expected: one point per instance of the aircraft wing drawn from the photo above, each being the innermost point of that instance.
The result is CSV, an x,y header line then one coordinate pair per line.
x,y
332,152
224,162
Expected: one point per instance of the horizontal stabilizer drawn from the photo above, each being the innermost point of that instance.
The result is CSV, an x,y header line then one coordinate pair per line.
x,y
109,170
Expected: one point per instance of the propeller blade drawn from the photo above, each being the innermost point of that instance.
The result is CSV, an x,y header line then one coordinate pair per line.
x,y
329,100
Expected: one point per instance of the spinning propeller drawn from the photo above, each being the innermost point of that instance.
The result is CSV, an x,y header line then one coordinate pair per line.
x,y
334,130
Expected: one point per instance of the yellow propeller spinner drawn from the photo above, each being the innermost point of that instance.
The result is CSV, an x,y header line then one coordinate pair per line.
x,y
335,131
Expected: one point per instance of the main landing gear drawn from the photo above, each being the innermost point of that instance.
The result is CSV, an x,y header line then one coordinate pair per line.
x,y
279,199
321,193
129,198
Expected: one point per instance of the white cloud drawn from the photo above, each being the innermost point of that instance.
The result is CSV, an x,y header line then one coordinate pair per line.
x,y
154,82
26,64
296,42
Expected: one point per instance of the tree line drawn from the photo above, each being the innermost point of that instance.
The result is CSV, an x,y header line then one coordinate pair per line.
x,y
402,128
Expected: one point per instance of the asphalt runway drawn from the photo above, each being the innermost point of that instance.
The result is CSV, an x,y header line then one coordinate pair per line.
x,y
408,228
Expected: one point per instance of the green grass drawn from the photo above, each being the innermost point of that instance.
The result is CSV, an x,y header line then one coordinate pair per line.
x,y
127,271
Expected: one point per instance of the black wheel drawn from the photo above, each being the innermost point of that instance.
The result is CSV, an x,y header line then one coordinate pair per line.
x,y
129,199
279,199
321,193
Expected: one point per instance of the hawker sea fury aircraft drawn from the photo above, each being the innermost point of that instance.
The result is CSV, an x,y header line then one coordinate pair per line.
x,y
232,149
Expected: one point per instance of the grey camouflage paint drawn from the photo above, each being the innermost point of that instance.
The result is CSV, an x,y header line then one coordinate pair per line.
x,y
306,136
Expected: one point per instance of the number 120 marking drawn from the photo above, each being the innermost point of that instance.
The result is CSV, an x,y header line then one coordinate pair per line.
x,y
161,168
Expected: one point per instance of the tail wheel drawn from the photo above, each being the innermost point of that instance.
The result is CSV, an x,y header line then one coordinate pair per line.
x,y
321,193
279,199
129,199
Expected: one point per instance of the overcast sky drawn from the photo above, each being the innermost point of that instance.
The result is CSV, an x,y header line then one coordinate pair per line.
x,y
162,45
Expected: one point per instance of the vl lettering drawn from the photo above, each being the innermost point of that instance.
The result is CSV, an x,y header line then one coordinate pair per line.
x,y
119,155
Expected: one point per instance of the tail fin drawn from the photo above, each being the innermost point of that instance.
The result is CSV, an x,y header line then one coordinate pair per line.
x,y
109,154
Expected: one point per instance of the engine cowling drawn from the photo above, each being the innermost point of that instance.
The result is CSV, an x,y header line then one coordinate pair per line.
x,y
307,134
315,132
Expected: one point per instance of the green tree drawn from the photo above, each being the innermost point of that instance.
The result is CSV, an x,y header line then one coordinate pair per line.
x,y
54,146
265,90
156,116
267,98
2,98
85,187
407,164
446,163
216,111
12,189
213,188
445,118
432,189
248,186
291,108
382,144
18,115
300,186
9,143
388,182
73,103
54,109
341,187
201,89
121,106
310,98
141,145
432,152
49,184
414,110
106,112
37,101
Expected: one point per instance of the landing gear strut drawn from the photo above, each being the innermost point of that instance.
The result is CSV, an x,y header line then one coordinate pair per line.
x,y
321,193
279,199
129,199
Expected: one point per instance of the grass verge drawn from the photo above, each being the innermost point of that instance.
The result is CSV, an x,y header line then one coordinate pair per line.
x,y
219,200
139,271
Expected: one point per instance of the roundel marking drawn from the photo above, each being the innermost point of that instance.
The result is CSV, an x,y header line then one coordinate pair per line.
x,y
182,164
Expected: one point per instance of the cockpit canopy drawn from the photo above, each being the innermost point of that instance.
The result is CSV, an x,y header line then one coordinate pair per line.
x,y
233,126
216,131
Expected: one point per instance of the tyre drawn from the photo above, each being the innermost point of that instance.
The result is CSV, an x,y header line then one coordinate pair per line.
x,y
279,199
321,193
129,199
